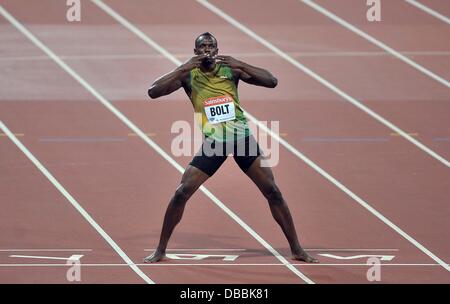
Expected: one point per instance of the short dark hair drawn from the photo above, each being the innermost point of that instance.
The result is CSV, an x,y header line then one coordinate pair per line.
x,y
205,34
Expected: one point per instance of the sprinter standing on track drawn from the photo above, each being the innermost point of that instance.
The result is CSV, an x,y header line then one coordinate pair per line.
x,y
211,81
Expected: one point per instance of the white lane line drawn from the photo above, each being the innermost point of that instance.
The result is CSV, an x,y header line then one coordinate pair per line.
x,y
81,139
216,264
43,250
288,146
71,258
353,249
246,55
150,142
199,249
360,201
376,42
323,81
429,10
359,256
306,249
230,213
64,192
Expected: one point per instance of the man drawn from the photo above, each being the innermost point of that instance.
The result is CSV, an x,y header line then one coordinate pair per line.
x,y
210,81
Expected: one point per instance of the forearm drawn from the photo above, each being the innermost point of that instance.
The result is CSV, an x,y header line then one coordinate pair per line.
x,y
168,83
258,75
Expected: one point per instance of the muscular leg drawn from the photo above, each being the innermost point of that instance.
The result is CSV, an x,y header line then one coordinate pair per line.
x,y
192,179
263,178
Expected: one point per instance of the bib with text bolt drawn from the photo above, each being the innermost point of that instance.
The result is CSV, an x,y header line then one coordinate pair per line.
x,y
219,109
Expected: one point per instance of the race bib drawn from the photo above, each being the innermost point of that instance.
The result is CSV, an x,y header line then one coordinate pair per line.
x,y
219,109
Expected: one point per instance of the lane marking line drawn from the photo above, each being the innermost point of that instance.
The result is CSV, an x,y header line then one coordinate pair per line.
x,y
318,169
67,195
246,55
199,249
375,41
219,264
197,257
43,250
306,249
71,258
81,139
411,134
15,134
359,256
429,10
44,171
136,135
353,249
233,215
152,144
320,79
363,203
346,139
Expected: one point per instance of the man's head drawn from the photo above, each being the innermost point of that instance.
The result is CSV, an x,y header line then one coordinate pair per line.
x,y
206,43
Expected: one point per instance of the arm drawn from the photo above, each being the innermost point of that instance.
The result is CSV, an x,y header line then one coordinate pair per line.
x,y
248,73
174,80
168,83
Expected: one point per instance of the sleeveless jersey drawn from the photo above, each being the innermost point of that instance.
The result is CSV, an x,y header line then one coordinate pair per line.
x,y
215,100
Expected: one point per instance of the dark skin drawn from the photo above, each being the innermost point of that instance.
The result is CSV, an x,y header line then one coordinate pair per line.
x,y
206,57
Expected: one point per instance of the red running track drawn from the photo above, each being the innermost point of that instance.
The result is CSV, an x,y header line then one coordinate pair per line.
x,y
125,185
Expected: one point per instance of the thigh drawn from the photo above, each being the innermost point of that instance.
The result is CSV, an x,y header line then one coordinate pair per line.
x,y
261,176
193,178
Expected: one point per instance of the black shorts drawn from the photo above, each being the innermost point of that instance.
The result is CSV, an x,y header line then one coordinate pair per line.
x,y
213,154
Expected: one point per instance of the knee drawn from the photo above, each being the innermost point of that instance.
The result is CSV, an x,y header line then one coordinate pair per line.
x,y
273,194
183,192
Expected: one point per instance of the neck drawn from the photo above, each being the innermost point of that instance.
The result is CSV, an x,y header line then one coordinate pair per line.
x,y
207,67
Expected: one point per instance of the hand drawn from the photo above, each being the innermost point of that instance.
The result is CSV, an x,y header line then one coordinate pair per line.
x,y
194,62
229,61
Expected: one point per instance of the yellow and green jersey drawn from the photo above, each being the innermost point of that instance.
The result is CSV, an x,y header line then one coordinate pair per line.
x,y
215,99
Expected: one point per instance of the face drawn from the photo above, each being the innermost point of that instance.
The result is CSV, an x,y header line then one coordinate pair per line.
x,y
206,45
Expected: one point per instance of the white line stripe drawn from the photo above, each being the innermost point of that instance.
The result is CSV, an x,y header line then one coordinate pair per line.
x,y
39,257
326,83
47,174
67,195
136,31
42,250
257,54
306,249
429,11
61,189
212,264
151,143
257,237
230,213
353,101
140,34
359,200
199,249
352,249
376,42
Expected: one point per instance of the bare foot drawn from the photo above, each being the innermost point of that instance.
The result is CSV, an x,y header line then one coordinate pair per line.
x,y
155,257
303,256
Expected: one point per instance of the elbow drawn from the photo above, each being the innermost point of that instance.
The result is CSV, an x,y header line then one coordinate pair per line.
x,y
273,82
152,93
